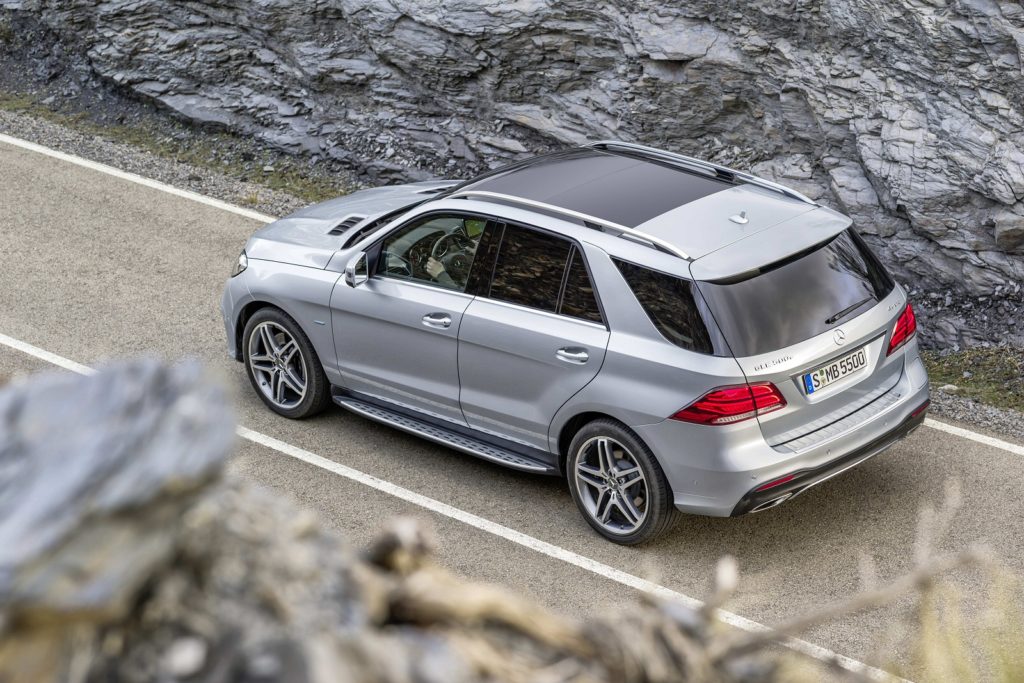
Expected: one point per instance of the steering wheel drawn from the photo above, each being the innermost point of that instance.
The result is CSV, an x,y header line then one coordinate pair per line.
x,y
453,240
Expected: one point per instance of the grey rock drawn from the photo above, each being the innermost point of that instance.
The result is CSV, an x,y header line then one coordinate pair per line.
x,y
237,585
907,115
84,448
1009,231
185,657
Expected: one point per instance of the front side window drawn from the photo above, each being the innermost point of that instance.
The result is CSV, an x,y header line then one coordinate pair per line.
x,y
672,306
439,250
529,268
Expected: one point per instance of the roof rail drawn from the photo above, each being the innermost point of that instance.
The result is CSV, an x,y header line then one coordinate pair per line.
x,y
717,169
592,221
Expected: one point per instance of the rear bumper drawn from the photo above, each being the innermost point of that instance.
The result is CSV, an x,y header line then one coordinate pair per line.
x,y
713,470
756,500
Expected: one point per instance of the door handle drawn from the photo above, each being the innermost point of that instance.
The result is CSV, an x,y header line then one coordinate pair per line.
x,y
572,354
437,320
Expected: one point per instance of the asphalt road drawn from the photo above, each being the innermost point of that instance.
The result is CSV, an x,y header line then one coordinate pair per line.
x,y
93,267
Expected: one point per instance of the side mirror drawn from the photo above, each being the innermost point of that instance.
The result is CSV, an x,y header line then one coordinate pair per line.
x,y
357,271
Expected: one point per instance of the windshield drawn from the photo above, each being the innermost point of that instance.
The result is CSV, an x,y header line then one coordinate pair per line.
x,y
787,302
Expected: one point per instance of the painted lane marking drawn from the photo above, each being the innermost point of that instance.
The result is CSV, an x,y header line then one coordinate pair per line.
x,y
974,436
488,526
133,178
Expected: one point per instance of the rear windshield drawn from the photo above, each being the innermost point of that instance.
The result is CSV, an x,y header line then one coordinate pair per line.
x,y
795,299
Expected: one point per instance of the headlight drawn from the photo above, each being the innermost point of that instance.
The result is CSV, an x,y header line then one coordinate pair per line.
x,y
241,264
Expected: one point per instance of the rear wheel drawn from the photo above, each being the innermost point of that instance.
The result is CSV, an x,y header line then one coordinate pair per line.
x,y
617,484
283,366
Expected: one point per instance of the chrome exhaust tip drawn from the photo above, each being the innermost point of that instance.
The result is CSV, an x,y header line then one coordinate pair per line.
x,y
772,503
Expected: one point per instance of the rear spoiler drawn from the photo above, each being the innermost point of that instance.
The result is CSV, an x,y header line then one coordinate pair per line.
x,y
770,245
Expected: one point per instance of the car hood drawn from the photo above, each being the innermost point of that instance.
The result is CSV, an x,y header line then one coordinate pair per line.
x,y
305,238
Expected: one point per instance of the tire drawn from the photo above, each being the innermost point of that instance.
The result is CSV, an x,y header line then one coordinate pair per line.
x,y
610,512
292,366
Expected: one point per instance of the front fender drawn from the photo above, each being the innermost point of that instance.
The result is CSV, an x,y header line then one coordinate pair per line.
x,y
301,292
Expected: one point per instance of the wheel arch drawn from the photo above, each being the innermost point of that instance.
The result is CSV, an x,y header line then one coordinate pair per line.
x,y
244,314
571,428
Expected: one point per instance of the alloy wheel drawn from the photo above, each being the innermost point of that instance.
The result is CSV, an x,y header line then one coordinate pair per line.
x,y
277,365
611,485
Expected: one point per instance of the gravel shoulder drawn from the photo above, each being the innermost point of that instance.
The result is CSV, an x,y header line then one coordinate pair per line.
x,y
249,176
257,196
999,422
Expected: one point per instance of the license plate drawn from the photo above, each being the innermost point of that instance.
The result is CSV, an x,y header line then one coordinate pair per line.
x,y
835,371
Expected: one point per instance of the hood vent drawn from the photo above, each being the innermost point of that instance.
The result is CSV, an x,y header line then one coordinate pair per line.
x,y
343,227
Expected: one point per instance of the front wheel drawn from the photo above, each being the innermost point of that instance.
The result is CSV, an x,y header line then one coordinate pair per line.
x,y
617,484
283,366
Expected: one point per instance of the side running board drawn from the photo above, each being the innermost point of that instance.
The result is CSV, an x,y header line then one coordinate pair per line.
x,y
443,436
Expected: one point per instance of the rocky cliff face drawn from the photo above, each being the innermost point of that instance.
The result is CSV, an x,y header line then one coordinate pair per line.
x,y
906,114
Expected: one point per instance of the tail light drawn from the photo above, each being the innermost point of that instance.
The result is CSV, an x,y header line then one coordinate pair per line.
x,y
729,405
905,328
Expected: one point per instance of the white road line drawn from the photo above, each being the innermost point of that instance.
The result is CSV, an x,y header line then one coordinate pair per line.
x,y
43,354
140,180
974,436
483,524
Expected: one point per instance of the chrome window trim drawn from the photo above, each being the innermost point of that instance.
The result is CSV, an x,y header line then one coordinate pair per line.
x,y
557,316
421,284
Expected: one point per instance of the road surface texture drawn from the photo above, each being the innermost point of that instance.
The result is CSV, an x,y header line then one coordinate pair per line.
x,y
97,267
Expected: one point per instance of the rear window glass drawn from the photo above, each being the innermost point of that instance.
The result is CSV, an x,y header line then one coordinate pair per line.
x,y
529,268
798,298
670,304
578,299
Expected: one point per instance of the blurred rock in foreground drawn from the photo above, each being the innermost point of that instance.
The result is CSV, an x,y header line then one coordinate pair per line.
x,y
125,555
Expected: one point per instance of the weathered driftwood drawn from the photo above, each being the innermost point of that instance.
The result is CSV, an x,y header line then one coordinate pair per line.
x,y
126,555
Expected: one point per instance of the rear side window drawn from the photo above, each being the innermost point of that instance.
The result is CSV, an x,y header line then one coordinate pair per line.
x,y
529,268
670,304
578,300
787,302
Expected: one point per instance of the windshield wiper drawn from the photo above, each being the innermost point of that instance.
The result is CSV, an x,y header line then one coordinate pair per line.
x,y
848,309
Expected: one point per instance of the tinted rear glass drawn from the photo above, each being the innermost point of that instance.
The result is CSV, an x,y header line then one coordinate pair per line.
x,y
529,268
670,304
798,298
578,299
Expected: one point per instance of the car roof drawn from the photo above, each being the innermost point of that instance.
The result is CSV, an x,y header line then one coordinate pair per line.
x,y
695,207
623,189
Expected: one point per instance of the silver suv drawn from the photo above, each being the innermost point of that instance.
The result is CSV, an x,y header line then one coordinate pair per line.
x,y
666,333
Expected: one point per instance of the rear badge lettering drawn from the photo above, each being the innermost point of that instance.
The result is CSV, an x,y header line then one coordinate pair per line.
x,y
772,363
